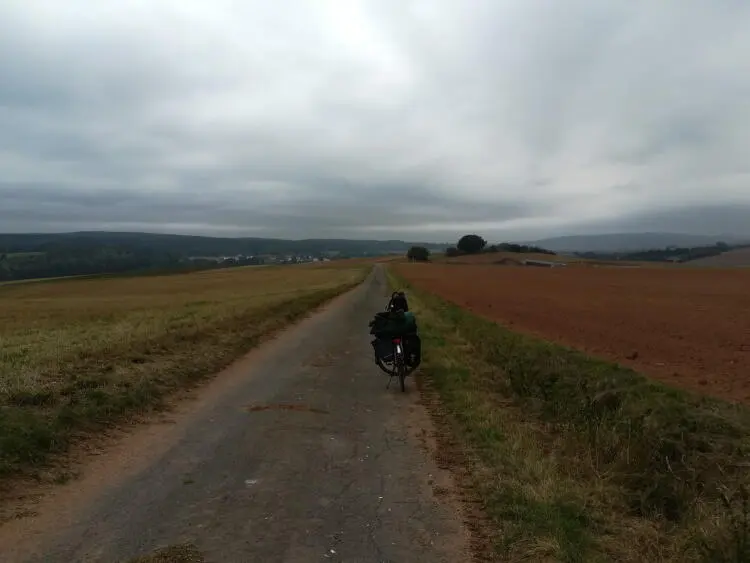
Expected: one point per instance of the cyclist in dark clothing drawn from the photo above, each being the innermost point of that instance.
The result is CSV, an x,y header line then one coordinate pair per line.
x,y
398,302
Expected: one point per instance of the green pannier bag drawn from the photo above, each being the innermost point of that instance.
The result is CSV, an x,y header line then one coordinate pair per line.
x,y
393,323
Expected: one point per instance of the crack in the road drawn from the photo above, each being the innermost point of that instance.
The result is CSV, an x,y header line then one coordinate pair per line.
x,y
377,522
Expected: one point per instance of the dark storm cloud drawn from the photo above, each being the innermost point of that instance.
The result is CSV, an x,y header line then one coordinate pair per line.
x,y
374,118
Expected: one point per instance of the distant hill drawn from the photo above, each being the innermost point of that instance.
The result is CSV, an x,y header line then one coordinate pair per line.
x,y
632,242
186,245
27,256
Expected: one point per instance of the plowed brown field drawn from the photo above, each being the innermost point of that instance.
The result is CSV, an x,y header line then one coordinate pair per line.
x,y
689,328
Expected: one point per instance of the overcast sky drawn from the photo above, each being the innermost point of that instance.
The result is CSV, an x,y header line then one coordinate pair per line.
x,y
384,119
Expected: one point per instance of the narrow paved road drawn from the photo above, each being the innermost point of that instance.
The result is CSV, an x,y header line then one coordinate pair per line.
x,y
340,476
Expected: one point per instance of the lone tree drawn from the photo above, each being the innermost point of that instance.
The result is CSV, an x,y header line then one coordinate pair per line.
x,y
471,244
418,254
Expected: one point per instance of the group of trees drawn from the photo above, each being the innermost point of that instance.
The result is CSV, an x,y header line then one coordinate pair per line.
x,y
418,254
475,244
467,244
60,263
471,244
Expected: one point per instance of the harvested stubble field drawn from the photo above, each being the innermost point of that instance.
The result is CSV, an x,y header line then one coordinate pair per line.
x,y
77,354
688,328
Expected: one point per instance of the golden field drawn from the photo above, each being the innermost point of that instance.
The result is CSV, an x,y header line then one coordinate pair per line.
x,y
76,354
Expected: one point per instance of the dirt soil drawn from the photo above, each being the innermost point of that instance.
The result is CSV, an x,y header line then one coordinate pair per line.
x,y
733,258
688,328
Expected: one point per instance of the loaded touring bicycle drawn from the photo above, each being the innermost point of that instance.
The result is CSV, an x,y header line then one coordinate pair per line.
x,y
397,346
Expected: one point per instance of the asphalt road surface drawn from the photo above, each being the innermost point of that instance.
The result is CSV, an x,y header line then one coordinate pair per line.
x,y
298,453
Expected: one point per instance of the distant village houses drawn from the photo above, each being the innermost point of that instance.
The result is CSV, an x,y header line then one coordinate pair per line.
x,y
258,260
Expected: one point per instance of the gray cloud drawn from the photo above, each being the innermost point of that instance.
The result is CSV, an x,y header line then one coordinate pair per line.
x,y
330,211
517,119
709,219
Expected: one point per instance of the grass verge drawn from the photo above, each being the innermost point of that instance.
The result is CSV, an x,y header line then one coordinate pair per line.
x,y
79,355
577,459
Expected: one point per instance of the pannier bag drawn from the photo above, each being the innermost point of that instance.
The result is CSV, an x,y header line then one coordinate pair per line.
x,y
412,350
393,324
383,348
396,324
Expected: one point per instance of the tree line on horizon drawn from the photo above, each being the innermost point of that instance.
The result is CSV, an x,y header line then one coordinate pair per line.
x,y
668,254
475,244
